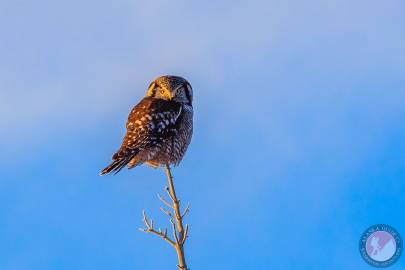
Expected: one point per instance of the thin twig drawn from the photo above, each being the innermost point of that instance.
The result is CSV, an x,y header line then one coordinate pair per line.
x,y
164,201
170,195
185,235
174,231
166,212
149,229
186,211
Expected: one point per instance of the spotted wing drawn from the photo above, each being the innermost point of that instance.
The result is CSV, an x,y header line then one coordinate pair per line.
x,y
149,123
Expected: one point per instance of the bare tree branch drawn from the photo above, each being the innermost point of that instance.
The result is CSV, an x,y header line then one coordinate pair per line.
x,y
180,233
185,235
164,201
166,212
174,231
185,211
174,199
149,229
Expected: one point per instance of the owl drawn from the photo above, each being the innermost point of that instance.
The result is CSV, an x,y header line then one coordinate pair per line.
x,y
159,127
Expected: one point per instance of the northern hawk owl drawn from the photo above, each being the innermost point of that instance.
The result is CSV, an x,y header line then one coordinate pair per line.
x,y
159,127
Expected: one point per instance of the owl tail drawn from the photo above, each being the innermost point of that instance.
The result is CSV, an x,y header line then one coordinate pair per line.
x,y
120,160
113,167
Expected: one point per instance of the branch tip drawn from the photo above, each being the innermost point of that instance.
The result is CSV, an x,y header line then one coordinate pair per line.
x,y
186,210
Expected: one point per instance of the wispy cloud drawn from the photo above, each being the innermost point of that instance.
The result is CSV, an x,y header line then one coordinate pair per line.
x,y
297,64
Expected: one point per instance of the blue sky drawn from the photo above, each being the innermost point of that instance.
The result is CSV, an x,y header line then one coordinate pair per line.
x,y
298,144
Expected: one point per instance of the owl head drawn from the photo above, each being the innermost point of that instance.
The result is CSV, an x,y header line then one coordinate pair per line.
x,y
171,88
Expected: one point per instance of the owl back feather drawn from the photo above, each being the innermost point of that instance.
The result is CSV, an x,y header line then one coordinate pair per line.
x,y
151,123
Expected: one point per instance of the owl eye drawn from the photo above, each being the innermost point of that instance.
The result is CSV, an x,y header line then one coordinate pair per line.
x,y
161,91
